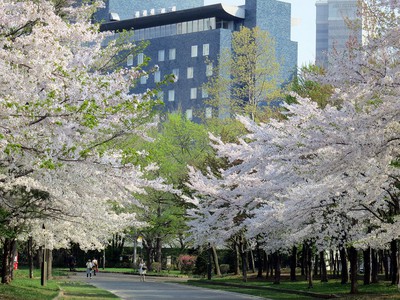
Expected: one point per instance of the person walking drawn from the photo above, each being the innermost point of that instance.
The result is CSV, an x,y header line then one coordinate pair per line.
x,y
142,270
95,266
89,267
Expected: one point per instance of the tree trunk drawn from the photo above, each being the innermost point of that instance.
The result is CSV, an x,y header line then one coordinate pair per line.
x,y
343,262
49,254
303,264
244,265
324,275
30,256
309,257
337,264
14,253
316,265
367,266
7,262
398,270
385,258
209,263
260,261
332,263
393,261
293,264
237,258
353,270
305,253
39,257
374,266
253,267
158,249
216,262
277,267
267,265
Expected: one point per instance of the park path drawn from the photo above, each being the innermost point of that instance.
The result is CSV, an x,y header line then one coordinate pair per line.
x,y
128,287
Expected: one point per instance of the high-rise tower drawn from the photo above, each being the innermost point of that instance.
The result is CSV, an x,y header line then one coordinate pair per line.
x,y
337,21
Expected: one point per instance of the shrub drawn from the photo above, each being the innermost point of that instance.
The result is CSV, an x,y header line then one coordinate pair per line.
x,y
186,263
156,266
224,268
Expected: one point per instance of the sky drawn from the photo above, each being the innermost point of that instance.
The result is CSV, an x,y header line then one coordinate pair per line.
x,y
303,26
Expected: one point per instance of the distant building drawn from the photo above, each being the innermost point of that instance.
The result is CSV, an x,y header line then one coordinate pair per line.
x,y
186,40
332,27
128,9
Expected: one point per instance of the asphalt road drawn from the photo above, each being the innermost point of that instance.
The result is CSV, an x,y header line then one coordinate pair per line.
x,y
128,287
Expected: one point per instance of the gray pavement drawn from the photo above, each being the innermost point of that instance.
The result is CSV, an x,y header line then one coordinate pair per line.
x,y
128,287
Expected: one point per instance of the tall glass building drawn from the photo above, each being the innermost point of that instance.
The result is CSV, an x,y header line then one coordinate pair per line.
x,y
337,21
186,39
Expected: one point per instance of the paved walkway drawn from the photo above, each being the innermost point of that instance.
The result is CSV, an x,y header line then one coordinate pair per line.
x,y
128,287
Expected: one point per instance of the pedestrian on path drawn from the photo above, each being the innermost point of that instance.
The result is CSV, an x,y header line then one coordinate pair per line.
x,y
89,267
95,266
142,270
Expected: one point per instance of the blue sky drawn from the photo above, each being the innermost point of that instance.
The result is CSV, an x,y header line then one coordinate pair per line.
x,y
303,31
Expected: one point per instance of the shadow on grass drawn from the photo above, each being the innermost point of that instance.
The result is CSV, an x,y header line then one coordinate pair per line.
x,y
79,290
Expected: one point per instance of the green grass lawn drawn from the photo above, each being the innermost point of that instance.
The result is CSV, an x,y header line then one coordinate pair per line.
x,y
383,290
79,291
23,288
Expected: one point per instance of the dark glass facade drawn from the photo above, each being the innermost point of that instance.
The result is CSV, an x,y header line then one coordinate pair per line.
x,y
187,43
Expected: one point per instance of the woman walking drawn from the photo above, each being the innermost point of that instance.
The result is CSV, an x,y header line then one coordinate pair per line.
x,y
142,270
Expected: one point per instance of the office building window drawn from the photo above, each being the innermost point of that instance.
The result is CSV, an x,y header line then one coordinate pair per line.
x,y
175,72
129,60
194,51
208,112
204,92
171,95
172,54
209,70
143,79
190,72
140,58
157,76
161,55
193,93
189,114
206,49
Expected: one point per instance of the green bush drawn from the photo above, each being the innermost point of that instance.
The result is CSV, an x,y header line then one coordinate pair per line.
x,y
156,267
224,268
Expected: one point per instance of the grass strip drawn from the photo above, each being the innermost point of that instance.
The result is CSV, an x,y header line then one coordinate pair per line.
x,y
298,290
79,290
23,288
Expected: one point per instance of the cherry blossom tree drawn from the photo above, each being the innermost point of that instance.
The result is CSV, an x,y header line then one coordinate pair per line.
x,y
326,175
63,103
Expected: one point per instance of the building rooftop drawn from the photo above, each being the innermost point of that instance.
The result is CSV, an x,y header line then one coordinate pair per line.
x,y
222,11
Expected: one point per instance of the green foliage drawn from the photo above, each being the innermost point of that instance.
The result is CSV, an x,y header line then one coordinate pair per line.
x,y
156,267
224,268
227,129
246,79
307,88
179,143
